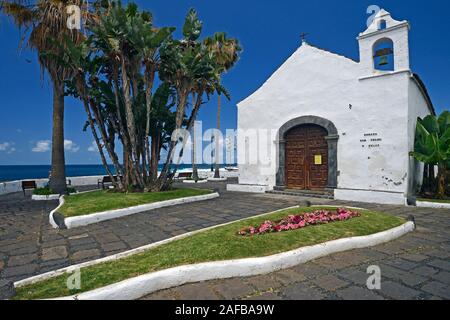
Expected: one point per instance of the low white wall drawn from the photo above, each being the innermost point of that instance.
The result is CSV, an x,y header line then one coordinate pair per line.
x,y
16,186
247,188
207,173
370,196
435,205
36,197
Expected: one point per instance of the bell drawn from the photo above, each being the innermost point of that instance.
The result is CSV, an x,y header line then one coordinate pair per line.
x,y
383,61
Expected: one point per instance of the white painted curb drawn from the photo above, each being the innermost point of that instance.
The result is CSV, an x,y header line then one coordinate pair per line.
x,y
137,287
51,217
121,255
193,181
54,196
246,188
435,205
36,197
217,179
73,222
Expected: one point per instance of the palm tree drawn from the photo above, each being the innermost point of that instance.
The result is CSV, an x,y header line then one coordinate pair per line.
x,y
111,38
148,41
43,22
79,59
432,146
184,63
226,52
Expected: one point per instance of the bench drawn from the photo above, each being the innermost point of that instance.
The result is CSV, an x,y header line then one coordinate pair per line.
x,y
28,185
184,175
105,180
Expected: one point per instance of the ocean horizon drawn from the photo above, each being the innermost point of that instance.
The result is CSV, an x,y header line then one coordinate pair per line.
x,y
21,172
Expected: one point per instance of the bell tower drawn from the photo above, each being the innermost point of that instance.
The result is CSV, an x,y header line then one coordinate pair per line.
x,y
384,46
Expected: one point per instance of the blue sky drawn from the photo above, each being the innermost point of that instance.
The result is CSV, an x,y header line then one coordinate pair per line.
x,y
269,32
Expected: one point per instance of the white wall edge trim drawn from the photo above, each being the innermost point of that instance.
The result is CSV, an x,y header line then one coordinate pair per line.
x,y
36,197
51,217
137,287
49,197
435,205
218,179
194,182
247,188
73,222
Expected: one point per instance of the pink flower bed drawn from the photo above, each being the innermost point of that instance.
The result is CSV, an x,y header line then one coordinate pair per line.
x,y
294,222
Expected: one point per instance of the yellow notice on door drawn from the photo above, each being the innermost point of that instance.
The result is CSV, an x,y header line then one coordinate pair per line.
x,y
318,160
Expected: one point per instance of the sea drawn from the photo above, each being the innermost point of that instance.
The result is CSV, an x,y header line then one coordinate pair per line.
x,y
14,172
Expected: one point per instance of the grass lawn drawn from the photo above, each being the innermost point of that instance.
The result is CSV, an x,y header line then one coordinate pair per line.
x,y
218,244
103,200
434,200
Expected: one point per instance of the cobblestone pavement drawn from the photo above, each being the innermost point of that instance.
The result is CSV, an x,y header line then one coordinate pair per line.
x,y
30,246
416,266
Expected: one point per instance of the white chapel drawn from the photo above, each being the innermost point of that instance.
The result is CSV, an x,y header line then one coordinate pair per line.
x,y
335,125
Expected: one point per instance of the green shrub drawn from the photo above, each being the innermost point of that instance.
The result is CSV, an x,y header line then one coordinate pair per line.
x,y
192,179
71,190
45,191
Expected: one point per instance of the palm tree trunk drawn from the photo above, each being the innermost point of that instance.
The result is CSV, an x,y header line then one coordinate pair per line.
x,y
126,169
194,160
131,126
217,153
88,104
189,126
149,79
193,145
441,181
117,184
129,171
163,181
433,181
144,166
154,158
109,142
58,172
426,179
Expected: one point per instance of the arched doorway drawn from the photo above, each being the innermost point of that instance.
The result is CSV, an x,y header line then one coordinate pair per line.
x,y
306,135
306,158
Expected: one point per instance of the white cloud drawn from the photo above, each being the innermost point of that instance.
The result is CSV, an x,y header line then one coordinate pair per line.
x,y
42,146
4,146
93,147
45,145
7,147
71,146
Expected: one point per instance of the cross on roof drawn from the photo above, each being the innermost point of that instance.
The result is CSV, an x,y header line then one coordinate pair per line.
x,y
303,36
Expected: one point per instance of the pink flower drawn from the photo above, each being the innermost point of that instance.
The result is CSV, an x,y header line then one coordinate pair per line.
x,y
294,222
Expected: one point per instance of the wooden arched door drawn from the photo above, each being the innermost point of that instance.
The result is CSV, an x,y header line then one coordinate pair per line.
x,y
306,158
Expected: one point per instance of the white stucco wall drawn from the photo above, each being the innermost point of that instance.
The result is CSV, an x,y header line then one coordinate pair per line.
x,y
397,31
314,82
418,108
374,111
